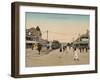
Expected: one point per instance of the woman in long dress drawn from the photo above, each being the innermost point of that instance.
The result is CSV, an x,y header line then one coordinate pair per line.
x,y
76,54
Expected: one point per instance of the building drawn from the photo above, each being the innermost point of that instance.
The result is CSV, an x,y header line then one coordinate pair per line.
x,y
33,36
82,42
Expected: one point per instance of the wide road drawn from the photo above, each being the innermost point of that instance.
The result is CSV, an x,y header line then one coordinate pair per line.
x,y
54,58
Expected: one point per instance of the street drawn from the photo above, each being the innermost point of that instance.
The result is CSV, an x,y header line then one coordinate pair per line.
x,y
54,58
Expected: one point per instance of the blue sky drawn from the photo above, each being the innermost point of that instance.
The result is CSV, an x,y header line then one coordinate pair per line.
x,y
69,24
56,17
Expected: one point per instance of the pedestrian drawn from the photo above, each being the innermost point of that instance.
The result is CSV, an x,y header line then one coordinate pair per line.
x,y
39,48
47,47
80,50
64,48
76,54
33,46
60,49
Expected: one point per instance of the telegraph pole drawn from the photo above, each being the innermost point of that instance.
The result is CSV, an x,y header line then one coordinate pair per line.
x,y
47,35
73,39
79,36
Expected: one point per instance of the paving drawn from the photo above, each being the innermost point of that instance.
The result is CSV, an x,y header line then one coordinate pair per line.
x,y
54,58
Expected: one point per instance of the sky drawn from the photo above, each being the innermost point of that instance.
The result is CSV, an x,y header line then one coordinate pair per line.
x,y
61,27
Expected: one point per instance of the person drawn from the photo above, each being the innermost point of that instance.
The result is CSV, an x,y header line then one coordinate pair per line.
x,y
80,50
61,48
33,46
47,47
76,54
39,48
64,47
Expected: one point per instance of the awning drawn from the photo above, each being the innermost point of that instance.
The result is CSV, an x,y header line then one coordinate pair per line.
x,y
81,42
32,42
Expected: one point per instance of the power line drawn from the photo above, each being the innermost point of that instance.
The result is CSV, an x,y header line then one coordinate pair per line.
x,y
57,33
54,32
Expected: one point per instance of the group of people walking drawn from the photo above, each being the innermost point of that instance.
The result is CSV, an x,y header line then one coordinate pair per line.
x,y
76,51
38,46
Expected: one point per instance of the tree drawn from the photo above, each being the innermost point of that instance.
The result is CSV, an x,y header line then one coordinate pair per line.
x,y
39,31
37,28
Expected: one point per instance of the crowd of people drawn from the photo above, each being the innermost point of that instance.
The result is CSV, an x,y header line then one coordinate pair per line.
x,y
37,46
76,51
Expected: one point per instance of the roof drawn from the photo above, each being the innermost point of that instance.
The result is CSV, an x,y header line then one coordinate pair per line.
x,y
81,42
31,41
